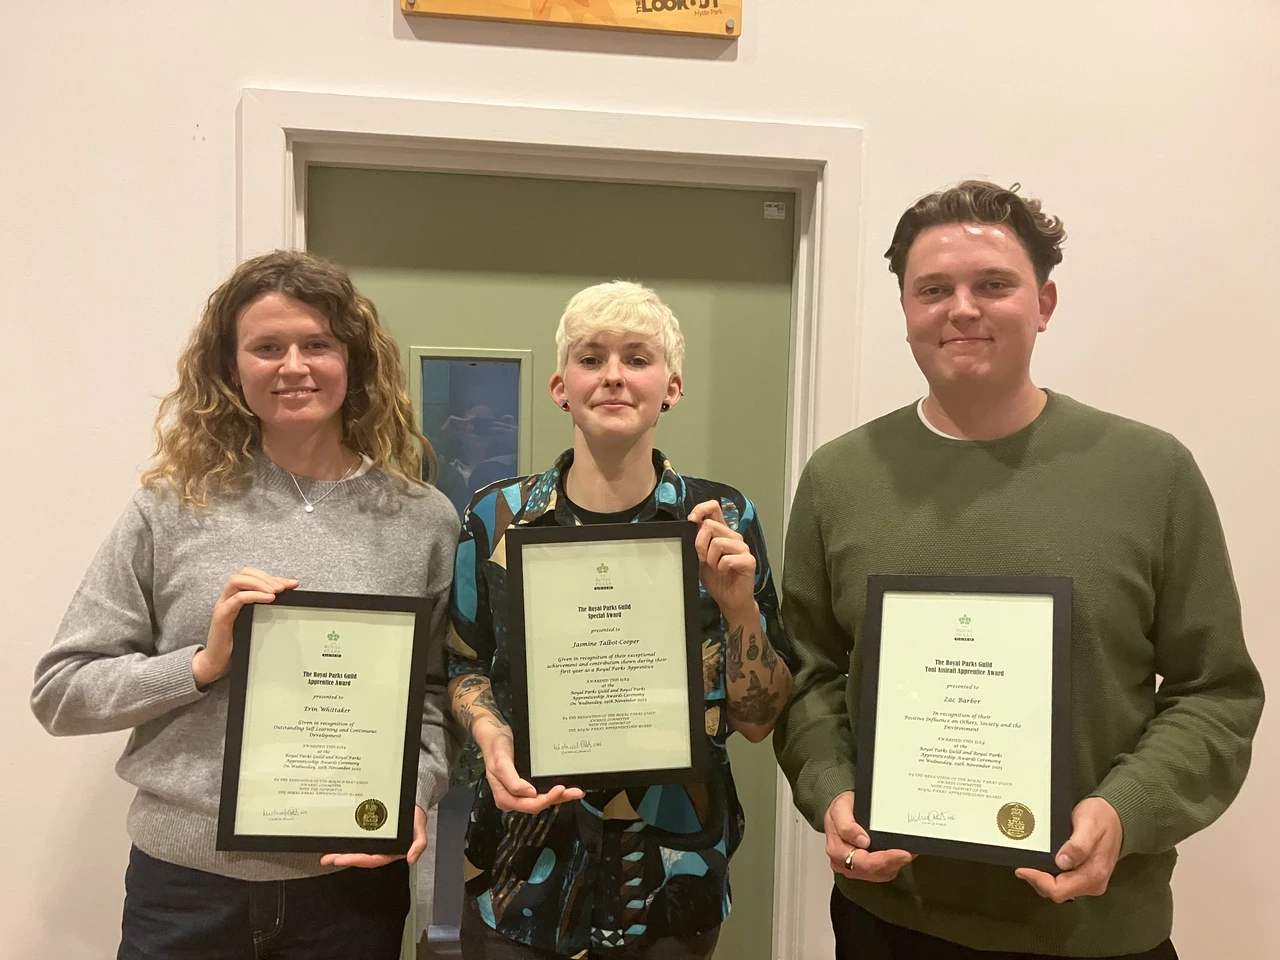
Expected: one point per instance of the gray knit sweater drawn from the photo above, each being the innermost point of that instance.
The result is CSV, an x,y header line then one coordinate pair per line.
x,y
122,656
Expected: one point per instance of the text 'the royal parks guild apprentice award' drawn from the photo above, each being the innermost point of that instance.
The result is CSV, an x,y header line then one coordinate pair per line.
x,y
964,738
324,724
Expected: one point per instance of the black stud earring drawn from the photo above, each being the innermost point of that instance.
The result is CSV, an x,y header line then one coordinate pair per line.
x,y
565,405
665,406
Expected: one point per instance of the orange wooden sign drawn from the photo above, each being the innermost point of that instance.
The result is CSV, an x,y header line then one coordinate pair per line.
x,y
709,18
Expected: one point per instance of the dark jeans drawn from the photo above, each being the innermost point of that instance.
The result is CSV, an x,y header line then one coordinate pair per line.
x,y
863,936
479,941
176,913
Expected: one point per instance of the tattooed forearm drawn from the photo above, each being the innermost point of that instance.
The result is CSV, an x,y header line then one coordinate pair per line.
x,y
755,693
769,659
485,699
461,692
733,659
472,699
757,706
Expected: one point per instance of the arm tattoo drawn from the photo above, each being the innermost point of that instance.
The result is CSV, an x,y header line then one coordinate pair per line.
x,y
461,692
470,683
733,662
485,699
769,658
757,705
752,651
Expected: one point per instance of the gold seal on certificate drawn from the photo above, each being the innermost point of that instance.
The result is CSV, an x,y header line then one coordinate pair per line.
x,y
964,736
371,814
606,657
1015,821
324,724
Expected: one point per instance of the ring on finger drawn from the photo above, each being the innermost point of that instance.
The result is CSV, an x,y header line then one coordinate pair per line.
x,y
848,861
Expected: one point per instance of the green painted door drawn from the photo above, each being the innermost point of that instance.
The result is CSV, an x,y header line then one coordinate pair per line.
x,y
465,262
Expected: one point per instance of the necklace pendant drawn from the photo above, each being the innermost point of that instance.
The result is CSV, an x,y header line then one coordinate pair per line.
x,y
308,508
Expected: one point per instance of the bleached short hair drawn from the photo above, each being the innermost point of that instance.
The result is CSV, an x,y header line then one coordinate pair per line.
x,y
620,307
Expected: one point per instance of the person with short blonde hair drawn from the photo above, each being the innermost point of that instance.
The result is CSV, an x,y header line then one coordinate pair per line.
x,y
286,456
617,307
641,872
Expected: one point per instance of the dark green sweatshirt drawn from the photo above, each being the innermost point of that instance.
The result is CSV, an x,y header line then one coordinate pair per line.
x,y
1122,509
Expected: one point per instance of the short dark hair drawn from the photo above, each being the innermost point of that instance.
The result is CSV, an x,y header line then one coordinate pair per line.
x,y
977,201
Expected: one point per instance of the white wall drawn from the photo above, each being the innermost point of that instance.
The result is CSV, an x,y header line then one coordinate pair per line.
x,y
1152,128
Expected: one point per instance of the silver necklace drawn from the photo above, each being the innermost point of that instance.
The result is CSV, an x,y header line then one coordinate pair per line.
x,y
311,504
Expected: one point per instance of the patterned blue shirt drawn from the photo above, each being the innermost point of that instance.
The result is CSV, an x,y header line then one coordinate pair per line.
x,y
616,868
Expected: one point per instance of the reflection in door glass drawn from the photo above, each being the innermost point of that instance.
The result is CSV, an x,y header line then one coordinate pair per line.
x,y
470,413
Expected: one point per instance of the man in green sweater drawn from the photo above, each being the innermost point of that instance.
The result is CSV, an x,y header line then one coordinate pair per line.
x,y
990,474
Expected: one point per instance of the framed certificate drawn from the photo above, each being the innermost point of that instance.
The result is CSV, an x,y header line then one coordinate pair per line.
x,y
964,741
324,724
606,655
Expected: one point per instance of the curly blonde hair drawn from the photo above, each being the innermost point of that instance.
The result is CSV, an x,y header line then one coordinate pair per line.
x,y
206,435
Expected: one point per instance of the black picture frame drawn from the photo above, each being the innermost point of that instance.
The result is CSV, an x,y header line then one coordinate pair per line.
x,y
232,840
1060,795
516,539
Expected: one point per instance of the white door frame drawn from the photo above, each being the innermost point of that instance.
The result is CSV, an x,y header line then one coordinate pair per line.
x,y
281,131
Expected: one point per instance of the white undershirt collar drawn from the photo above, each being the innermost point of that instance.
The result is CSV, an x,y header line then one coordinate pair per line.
x,y
925,421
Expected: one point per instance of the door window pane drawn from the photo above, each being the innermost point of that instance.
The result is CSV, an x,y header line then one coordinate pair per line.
x,y
470,413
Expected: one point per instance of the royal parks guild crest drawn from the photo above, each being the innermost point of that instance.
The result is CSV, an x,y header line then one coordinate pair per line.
x,y
603,581
964,629
331,647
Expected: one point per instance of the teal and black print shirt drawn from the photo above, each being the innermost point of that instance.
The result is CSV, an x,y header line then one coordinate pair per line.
x,y
619,867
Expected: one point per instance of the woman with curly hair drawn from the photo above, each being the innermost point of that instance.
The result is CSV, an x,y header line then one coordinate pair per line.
x,y
287,456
